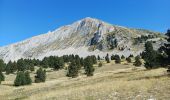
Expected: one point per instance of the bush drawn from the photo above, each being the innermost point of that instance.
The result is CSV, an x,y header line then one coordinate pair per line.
x,y
100,64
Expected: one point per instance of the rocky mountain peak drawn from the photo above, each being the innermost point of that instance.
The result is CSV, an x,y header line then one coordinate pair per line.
x,y
88,36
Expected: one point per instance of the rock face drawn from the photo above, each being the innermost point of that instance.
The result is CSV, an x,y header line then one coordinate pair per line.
x,y
85,37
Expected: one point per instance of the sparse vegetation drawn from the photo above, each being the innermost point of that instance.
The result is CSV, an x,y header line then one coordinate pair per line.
x,y
100,64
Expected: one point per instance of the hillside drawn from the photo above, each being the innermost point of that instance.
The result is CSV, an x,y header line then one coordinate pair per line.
x,y
88,36
111,82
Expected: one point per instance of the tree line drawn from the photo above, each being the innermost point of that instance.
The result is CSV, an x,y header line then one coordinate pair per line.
x,y
24,66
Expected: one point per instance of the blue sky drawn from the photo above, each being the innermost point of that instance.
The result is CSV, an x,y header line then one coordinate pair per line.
x,y
21,19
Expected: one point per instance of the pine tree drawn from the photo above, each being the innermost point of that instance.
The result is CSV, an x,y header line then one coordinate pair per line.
x,y
73,70
98,57
32,68
94,59
9,68
2,77
14,66
128,59
82,61
77,61
112,57
88,65
107,58
131,55
27,78
165,49
137,61
122,57
117,59
45,63
150,56
40,76
2,65
58,63
20,79
21,65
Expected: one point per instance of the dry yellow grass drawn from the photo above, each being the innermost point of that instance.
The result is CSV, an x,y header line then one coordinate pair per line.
x,y
110,82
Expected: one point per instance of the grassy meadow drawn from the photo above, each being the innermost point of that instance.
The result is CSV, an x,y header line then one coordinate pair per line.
x,y
110,82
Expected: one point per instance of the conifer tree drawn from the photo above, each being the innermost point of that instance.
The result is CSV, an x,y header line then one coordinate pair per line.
x,y
88,65
2,65
112,57
27,78
117,59
2,77
122,57
21,65
150,56
98,57
58,63
137,61
9,68
20,79
45,63
73,70
40,76
94,59
32,68
82,61
165,49
107,58
14,66
128,59
131,55
77,61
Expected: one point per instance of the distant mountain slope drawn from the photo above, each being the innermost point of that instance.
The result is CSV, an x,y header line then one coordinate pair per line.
x,y
85,37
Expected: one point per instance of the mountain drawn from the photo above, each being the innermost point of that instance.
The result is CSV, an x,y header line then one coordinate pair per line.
x,y
88,36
